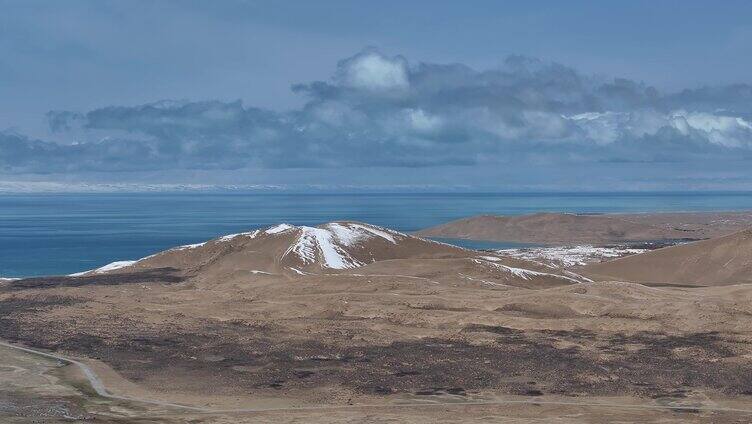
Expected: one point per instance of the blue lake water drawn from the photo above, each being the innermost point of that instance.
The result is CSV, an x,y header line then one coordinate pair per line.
x,y
42,234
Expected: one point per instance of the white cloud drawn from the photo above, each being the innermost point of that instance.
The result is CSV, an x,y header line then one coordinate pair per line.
x,y
601,128
715,128
378,110
728,131
421,121
373,71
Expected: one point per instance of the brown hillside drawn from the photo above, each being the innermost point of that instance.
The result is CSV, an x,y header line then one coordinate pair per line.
x,y
718,261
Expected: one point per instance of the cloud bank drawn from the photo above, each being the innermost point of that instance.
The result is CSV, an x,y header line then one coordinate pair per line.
x,y
383,111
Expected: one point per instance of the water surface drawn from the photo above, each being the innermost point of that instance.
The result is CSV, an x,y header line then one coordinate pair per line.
x,y
43,234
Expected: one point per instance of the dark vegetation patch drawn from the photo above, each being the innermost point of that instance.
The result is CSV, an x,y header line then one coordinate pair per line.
x,y
438,307
707,345
14,306
381,390
496,329
530,363
652,244
405,373
532,310
158,275
576,334
683,286
17,304
686,411
303,373
433,391
511,336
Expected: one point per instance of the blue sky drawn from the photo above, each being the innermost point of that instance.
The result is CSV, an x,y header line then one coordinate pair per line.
x,y
491,95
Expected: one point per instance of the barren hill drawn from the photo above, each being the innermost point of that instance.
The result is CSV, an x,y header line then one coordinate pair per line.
x,y
564,228
346,315
330,249
717,261
286,248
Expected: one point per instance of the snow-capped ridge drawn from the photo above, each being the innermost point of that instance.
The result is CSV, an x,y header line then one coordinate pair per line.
x,y
353,232
189,246
329,243
250,234
280,228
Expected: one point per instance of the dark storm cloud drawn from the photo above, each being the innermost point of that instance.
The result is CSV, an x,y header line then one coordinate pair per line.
x,y
380,110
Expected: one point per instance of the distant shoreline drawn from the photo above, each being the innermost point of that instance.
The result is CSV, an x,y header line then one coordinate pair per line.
x,y
52,187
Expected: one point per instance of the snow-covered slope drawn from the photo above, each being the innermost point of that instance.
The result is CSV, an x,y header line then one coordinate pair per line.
x,y
331,244
569,256
112,266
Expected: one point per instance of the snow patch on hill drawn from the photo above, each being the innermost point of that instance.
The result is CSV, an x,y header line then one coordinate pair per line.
x,y
113,266
250,234
328,244
7,279
278,229
188,246
313,243
352,233
568,256
527,274
109,267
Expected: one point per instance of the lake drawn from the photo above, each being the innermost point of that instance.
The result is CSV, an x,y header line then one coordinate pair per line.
x,y
42,234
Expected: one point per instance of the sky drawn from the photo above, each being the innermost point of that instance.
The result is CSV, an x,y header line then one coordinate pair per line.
x,y
486,95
